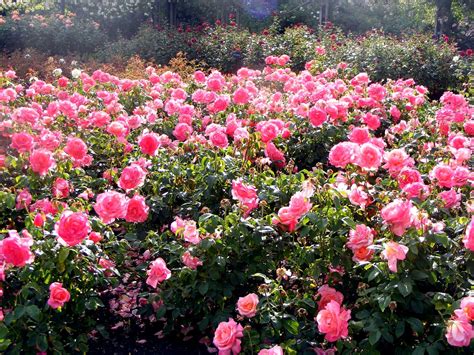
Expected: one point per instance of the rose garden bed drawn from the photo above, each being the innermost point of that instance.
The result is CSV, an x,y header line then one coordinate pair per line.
x,y
264,212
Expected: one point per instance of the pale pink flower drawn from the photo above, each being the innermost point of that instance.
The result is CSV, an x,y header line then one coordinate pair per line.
x,y
394,252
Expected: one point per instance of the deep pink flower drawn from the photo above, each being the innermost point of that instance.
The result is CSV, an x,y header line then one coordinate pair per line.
x,y
137,210
15,250
42,161
399,215
227,337
58,295
333,321
394,252
158,272
111,205
72,228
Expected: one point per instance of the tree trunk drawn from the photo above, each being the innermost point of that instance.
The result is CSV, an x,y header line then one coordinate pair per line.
x,y
444,17
324,12
62,6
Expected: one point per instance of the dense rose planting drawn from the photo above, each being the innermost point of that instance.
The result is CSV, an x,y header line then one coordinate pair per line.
x,y
267,212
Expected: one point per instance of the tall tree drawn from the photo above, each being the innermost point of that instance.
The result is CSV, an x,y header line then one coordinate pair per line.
x,y
444,17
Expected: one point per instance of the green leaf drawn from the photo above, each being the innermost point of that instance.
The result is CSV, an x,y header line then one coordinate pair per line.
x,y
349,222
291,325
400,329
203,288
384,301
63,254
42,342
374,337
34,312
415,324
405,287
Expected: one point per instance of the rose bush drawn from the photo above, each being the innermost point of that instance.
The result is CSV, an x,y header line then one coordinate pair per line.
x,y
268,211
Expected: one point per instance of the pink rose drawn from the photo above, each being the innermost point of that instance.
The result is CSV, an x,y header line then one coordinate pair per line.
x,y
333,321
328,294
42,161
219,139
247,306
408,176
360,239
317,116
369,156
158,272
359,135
443,174
394,252
182,131
72,228
241,96
23,199
227,337
137,210
22,142
149,143
111,205
60,188
246,195
450,198
276,156
398,214
467,306
268,131
76,148
358,196
468,239
58,295
396,160
132,176
191,233
459,332
276,350
16,250
190,261
343,153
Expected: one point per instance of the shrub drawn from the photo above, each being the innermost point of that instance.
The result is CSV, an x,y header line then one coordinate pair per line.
x,y
316,211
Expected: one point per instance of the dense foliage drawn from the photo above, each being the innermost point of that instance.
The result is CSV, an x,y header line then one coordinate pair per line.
x,y
268,209
438,65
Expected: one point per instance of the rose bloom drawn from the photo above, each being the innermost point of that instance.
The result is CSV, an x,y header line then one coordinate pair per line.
x,y
276,350
396,160
317,116
22,142
227,337
343,153
132,176
358,196
467,307
137,210
450,198
328,294
190,261
246,195
276,156
443,174
76,148
247,306
191,233
72,228
42,161
95,237
468,239
219,139
394,252
359,135
333,321
60,188
361,236
111,205
459,331
58,295
398,214
369,156
241,96
16,250
408,176
182,131
149,143
23,199
158,272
